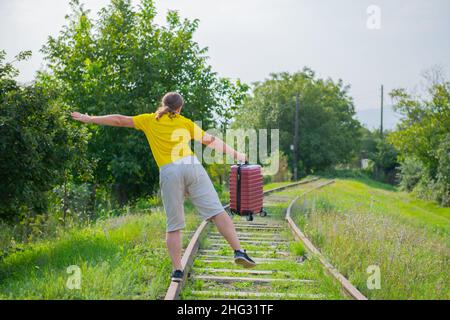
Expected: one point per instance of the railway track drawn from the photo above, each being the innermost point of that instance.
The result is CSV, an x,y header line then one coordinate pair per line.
x,y
284,270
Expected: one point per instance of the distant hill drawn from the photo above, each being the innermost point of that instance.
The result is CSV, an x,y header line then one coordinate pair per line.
x,y
370,118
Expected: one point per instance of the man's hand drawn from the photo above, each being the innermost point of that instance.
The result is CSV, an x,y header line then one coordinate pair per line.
x,y
81,117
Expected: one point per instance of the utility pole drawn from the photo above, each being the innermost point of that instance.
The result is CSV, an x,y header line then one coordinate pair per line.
x,y
297,110
382,106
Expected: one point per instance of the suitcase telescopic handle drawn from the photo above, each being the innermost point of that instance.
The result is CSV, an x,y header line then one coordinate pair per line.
x,y
239,162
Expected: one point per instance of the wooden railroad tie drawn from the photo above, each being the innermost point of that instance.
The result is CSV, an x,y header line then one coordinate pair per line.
x,y
226,279
243,294
246,271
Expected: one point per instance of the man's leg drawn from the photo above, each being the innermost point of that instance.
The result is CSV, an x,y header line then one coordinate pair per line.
x,y
206,200
226,228
173,240
172,191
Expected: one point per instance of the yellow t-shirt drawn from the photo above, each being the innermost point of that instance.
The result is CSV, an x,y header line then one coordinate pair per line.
x,y
168,137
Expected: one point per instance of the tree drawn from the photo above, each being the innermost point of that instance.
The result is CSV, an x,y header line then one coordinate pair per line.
x,y
382,153
423,133
124,63
38,144
328,133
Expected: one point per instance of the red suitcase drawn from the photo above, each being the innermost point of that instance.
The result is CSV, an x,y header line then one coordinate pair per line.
x,y
246,190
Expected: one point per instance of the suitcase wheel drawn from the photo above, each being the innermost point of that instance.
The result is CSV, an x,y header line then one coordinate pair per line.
x,y
250,217
263,213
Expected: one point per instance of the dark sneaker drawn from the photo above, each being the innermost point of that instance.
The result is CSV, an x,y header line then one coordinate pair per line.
x,y
241,258
177,276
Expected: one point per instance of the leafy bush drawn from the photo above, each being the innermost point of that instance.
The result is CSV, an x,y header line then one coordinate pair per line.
x,y
414,176
412,171
437,189
7,241
423,137
73,199
38,146
443,173
148,203
343,173
382,157
283,173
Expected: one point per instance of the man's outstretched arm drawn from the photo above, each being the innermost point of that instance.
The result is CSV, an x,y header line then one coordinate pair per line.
x,y
215,143
115,120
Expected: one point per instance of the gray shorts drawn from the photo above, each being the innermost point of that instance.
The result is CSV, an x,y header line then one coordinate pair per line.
x,y
187,176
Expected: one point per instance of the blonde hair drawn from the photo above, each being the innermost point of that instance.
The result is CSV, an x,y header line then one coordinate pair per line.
x,y
170,103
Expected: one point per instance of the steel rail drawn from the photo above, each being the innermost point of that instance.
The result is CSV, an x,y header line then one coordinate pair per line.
x,y
173,292
348,288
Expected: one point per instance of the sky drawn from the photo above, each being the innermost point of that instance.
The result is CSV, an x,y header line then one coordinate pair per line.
x,y
251,39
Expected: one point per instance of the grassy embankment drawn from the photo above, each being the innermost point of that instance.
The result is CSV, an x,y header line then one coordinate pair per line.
x,y
359,223
119,258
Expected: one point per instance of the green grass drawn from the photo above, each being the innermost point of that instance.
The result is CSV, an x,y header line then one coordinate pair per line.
x,y
273,185
384,199
357,223
120,258
297,249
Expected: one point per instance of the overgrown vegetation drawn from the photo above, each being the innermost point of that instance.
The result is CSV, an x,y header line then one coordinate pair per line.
x,y
39,147
423,138
119,258
55,172
357,225
382,157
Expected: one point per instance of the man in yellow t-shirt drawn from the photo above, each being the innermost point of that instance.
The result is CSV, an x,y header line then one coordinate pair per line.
x,y
168,137
168,134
